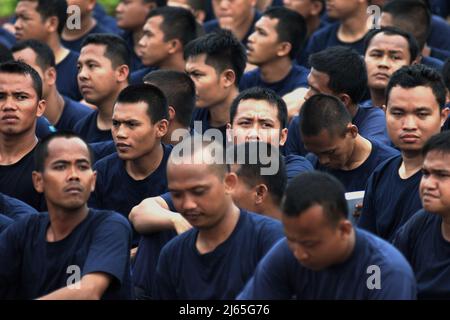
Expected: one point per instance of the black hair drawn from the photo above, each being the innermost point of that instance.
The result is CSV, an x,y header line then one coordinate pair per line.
x,y
116,49
5,54
345,68
44,54
392,31
179,90
223,51
41,152
178,23
439,142
251,167
323,112
19,67
446,73
265,94
50,8
159,3
151,95
291,27
415,76
411,15
315,188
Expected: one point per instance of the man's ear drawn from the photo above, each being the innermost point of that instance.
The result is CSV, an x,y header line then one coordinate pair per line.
x,y
122,72
172,113
230,180
283,136
345,228
261,193
345,98
175,46
51,24
228,78
94,180
41,105
444,115
352,130
162,126
316,8
38,182
50,76
283,49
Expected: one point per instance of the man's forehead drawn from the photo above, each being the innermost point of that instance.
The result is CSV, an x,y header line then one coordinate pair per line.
x,y
252,107
67,146
16,82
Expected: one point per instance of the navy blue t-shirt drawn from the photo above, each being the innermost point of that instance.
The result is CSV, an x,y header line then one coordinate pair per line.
x,y
184,273
14,208
389,201
327,37
213,25
7,38
281,276
116,190
88,130
421,242
75,45
4,222
137,77
439,36
105,20
72,113
66,80
296,78
433,63
43,127
356,179
16,182
136,62
370,120
102,149
36,267
200,124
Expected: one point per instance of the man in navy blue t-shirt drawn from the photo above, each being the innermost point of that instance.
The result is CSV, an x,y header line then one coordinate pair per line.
x,y
336,145
71,252
138,169
414,112
61,111
323,256
32,19
341,72
20,104
386,50
273,46
222,250
103,70
425,238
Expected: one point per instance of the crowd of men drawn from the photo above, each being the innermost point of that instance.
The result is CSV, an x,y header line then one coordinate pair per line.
x,y
190,149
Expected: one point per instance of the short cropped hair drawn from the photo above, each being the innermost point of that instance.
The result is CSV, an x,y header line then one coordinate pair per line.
x,y
19,67
179,90
116,49
315,188
323,112
151,95
439,142
416,76
44,54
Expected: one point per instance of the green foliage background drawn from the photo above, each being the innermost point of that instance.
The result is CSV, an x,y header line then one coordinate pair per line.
x,y
7,6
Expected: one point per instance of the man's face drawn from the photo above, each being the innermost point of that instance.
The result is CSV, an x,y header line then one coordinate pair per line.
x,y
131,14
341,9
257,120
153,49
198,193
435,183
263,44
29,23
233,13
19,104
67,180
28,56
412,117
332,150
133,133
318,83
209,88
315,243
385,55
97,79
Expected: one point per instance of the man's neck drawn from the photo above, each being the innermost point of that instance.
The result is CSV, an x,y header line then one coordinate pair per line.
x,y
349,247
220,113
271,210
241,30
174,125
209,239
14,148
312,24
105,109
58,50
353,109
62,223
377,96
87,24
141,168
411,164
55,106
353,28
361,152
276,70
173,62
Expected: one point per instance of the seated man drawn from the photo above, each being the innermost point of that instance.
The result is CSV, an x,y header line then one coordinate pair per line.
x,y
79,253
341,72
428,231
336,145
323,256
222,250
415,111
